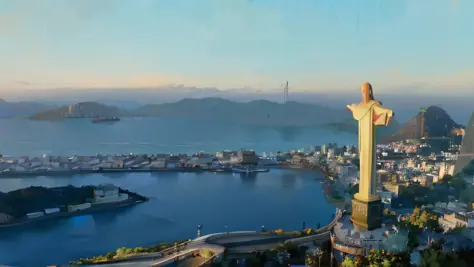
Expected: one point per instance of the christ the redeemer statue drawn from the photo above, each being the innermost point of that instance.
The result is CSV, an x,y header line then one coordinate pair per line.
x,y
366,206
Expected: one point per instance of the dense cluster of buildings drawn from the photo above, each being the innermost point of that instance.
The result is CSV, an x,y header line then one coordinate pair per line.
x,y
48,163
401,167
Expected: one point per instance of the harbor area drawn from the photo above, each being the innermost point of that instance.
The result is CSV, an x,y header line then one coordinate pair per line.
x,y
240,161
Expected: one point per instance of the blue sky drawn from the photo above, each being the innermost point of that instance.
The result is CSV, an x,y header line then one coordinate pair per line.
x,y
318,45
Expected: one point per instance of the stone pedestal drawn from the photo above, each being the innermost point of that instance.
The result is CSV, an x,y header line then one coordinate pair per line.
x,y
366,215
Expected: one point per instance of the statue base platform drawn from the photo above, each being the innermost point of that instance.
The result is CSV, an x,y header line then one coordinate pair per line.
x,y
366,215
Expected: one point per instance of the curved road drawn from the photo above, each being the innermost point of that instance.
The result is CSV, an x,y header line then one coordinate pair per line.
x,y
236,242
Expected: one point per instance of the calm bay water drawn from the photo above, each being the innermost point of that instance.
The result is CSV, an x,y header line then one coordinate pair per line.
x,y
278,199
151,135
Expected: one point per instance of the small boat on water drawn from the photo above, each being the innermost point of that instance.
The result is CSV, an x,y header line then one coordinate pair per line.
x,y
241,169
105,119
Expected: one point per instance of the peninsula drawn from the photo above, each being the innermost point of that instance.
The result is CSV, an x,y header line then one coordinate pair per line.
x,y
32,204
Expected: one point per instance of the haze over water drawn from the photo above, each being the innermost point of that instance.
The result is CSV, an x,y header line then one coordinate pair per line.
x,y
20,137
278,199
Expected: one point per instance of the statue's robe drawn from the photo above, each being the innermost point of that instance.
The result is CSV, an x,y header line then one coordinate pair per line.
x,y
369,115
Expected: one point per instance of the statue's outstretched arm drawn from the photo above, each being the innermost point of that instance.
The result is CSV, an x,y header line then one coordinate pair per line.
x,y
382,116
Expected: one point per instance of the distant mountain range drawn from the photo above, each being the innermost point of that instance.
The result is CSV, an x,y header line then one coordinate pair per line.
x,y
257,112
437,121
20,109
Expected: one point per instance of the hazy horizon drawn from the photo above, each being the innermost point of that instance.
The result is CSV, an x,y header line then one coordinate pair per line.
x,y
458,106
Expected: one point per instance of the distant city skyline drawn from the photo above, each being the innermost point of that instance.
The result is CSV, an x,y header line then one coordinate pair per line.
x,y
318,46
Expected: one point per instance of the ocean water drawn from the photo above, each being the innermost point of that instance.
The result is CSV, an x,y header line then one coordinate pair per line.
x,y
19,137
180,201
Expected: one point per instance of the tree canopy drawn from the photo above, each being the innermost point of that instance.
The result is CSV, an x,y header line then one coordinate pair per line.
x,y
422,219
377,258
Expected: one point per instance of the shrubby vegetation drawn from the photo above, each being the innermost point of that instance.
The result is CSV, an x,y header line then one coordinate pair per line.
x,y
124,253
305,232
206,253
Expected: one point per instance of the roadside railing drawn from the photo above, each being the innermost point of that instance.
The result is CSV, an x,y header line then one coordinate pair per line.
x,y
310,238
175,249
184,254
162,253
318,232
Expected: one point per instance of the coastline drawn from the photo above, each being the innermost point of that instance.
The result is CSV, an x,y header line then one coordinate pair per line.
x,y
15,174
18,174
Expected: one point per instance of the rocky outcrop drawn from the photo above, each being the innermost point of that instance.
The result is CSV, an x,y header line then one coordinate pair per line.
x,y
432,122
466,154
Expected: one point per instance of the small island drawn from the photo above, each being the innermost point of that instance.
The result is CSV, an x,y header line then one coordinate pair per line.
x,y
32,204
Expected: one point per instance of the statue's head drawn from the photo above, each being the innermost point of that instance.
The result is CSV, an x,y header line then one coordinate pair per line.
x,y
367,93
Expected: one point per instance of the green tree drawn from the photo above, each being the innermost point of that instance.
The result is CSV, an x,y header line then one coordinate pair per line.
x,y
110,255
386,263
348,262
123,252
422,219
139,250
